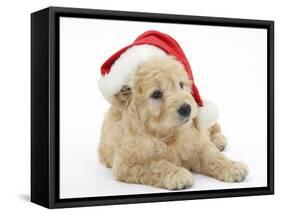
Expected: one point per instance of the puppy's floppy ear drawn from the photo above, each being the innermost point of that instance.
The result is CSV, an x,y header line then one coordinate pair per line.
x,y
124,94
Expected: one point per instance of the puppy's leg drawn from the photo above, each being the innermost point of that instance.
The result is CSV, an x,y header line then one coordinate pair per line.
x,y
215,164
160,173
217,137
105,153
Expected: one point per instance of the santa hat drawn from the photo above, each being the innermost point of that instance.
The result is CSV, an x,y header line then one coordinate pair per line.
x,y
121,66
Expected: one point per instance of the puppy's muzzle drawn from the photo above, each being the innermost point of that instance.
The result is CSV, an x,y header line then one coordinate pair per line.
x,y
184,110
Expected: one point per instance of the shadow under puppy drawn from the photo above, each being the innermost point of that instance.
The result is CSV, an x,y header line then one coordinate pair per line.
x,y
150,134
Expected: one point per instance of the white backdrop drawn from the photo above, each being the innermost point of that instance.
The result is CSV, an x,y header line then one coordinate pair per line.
x,y
229,66
15,108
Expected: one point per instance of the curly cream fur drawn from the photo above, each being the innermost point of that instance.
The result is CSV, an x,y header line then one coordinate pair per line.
x,y
146,141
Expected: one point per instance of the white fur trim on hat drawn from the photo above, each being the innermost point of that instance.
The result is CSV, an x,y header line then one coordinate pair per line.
x,y
125,67
207,115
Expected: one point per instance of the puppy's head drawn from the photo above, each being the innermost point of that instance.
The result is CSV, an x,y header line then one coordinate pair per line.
x,y
160,97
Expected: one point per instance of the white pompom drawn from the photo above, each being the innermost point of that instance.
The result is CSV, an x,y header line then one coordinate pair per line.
x,y
207,115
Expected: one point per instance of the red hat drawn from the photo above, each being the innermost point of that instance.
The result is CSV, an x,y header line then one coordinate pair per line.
x,y
121,66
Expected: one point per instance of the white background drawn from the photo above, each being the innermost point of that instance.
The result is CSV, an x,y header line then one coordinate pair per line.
x,y
15,108
229,66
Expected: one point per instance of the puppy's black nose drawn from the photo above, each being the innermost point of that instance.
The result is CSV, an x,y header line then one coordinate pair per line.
x,y
184,110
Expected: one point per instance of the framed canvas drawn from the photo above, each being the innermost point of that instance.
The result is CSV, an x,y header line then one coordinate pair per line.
x,y
118,116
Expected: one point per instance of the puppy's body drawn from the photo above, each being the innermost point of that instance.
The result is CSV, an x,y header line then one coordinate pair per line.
x,y
149,136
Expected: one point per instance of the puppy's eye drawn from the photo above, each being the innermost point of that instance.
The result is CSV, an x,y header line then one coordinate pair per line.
x,y
156,94
181,85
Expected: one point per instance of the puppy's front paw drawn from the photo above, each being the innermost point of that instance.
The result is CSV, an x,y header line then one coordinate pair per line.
x,y
179,179
236,172
219,140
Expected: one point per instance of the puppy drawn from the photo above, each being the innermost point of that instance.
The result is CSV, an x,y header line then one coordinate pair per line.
x,y
149,135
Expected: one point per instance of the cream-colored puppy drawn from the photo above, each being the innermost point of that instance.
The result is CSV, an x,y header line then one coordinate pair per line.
x,y
149,136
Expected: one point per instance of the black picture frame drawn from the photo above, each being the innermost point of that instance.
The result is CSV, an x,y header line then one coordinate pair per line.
x,y
45,106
